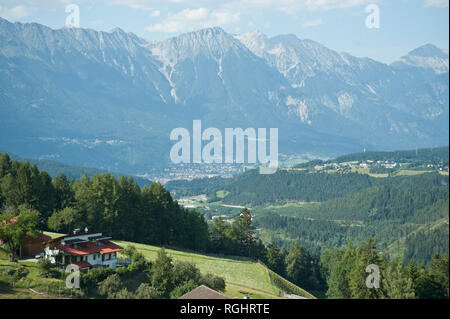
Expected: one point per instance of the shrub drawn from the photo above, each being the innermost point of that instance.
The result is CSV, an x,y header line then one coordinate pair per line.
x,y
213,282
44,267
124,272
123,294
184,271
138,262
162,273
129,251
111,287
145,291
183,289
21,272
94,277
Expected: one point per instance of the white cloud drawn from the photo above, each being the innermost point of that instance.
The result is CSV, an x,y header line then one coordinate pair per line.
x,y
312,23
284,5
155,13
193,19
207,13
436,3
187,15
289,5
16,12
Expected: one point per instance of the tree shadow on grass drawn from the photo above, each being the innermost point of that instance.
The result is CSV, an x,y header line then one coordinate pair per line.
x,y
5,288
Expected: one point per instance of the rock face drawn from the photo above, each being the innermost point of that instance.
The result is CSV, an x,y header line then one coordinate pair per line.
x,y
110,99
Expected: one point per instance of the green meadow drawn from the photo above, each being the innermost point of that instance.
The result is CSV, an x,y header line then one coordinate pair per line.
x,y
242,276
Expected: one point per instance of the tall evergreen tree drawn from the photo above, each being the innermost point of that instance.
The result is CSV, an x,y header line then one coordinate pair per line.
x,y
275,260
397,283
243,232
366,255
64,194
162,273
339,279
298,266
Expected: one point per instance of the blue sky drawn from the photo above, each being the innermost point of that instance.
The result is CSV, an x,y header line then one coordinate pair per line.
x,y
338,24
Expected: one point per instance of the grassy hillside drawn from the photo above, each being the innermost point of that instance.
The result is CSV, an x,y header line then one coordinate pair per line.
x,y
242,276
16,279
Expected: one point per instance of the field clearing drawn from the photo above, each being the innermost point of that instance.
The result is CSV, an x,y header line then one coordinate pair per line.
x,y
292,209
400,172
289,205
363,170
236,271
222,193
406,172
381,175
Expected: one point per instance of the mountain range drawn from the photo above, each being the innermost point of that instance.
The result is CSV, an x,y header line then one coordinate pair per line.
x,y
110,99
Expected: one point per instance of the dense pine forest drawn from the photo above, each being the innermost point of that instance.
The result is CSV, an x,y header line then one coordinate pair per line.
x,y
400,199
385,213
118,207
254,189
71,172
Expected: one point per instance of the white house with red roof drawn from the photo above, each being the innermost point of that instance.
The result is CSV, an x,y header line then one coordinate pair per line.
x,y
83,250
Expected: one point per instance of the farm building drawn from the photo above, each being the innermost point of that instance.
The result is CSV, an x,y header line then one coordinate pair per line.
x,y
32,246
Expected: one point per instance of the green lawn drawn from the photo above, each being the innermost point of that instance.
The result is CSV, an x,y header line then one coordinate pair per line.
x,y
241,275
11,287
8,292
53,235
222,193
18,288
406,172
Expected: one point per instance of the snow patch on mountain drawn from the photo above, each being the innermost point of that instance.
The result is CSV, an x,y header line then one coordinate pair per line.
x,y
298,108
427,56
346,101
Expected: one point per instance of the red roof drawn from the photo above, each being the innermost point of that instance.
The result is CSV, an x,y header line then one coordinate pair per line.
x,y
82,264
89,248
